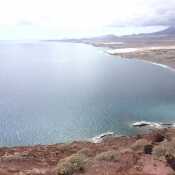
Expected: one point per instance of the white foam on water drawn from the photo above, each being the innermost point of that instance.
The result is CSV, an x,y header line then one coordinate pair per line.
x,y
99,138
146,123
153,124
129,50
163,66
153,63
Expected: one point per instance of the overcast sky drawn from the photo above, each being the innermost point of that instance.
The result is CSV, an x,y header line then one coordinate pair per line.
x,y
82,15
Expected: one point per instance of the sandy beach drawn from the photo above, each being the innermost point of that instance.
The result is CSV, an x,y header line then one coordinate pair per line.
x,y
162,55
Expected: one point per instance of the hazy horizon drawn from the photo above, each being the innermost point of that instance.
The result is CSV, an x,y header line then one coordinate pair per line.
x,y
37,34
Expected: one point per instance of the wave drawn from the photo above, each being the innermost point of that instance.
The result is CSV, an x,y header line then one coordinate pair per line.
x,y
153,63
163,66
129,50
158,125
99,138
153,124
157,64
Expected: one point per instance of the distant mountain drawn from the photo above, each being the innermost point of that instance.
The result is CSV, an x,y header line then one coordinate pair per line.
x,y
167,31
103,38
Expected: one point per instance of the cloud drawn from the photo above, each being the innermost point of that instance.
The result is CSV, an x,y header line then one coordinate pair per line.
x,y
150,13
163,16
79,18
86,14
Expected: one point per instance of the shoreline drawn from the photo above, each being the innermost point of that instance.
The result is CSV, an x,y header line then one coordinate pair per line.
x,y
145,53
125,155
150,55
164,66
139,53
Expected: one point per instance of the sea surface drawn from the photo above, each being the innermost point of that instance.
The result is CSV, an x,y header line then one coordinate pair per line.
x,y
58,92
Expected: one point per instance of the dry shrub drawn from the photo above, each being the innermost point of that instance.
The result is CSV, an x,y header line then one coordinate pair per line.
x,y
139,145
111,155
164,150
71,164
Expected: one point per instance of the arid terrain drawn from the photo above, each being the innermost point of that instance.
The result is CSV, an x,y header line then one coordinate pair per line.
x,y
147,154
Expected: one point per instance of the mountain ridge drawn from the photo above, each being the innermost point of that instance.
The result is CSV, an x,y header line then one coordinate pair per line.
x,y
165,33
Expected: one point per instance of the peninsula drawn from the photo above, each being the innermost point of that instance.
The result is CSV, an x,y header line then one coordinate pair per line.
x,y
157,47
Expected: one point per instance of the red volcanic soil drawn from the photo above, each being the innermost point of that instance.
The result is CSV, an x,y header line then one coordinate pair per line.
x,y
136,155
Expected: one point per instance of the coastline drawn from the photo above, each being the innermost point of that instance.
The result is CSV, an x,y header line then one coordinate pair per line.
x,y
162,54
151,55
124,155
104,154
164,66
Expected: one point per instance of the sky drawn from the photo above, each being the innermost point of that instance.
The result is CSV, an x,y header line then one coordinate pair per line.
x,y
30,19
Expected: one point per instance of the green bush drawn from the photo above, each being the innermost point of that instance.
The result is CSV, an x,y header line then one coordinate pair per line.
x,y
111,155
71,164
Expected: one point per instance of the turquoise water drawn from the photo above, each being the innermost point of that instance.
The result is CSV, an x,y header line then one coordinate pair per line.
x,y
57,92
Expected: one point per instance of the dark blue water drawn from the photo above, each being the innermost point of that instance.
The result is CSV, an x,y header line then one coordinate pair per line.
x,y
57,92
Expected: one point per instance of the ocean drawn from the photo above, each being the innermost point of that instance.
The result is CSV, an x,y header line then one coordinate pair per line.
x,y
53,92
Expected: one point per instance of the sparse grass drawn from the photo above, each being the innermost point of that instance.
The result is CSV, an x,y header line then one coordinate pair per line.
x,y
71,164
111,155
139,145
